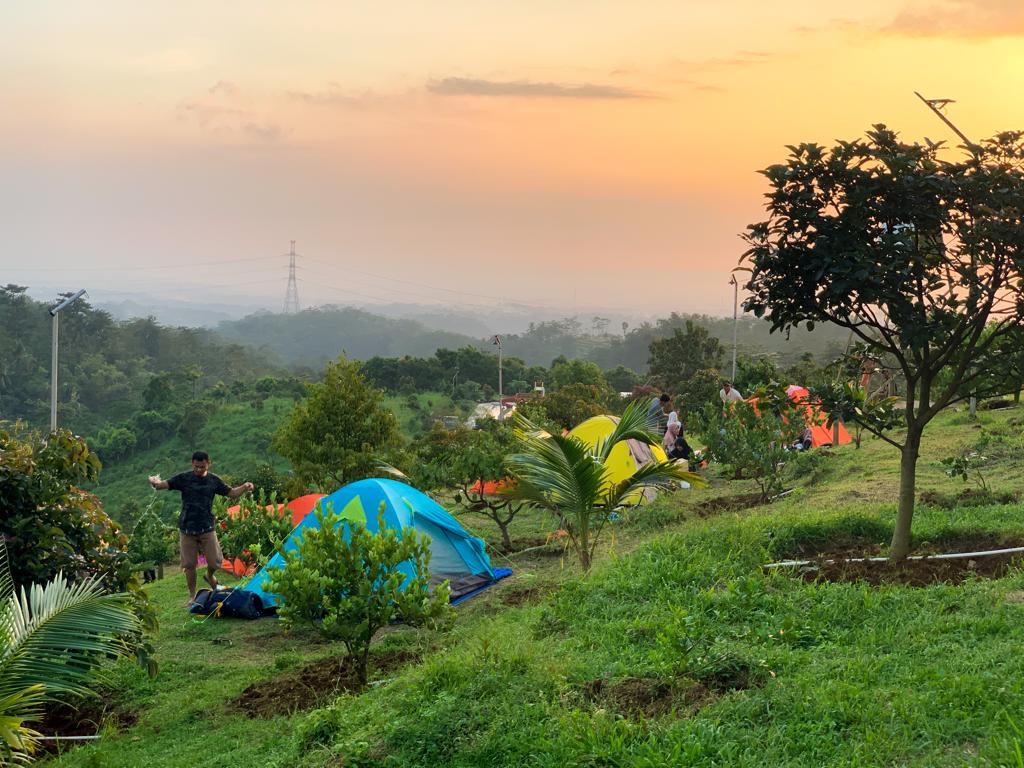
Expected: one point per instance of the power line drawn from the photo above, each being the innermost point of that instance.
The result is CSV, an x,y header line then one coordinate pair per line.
x,y
408,282
145,268
393,290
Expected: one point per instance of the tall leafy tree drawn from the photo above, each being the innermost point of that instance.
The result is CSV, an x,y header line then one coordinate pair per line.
x,y
470,459
675,359
919,257
332,436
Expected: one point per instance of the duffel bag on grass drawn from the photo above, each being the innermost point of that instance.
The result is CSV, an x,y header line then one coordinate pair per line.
x,y
238,603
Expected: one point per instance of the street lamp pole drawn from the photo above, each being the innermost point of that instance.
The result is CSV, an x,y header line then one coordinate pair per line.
x,y
501,406
54,313
735,320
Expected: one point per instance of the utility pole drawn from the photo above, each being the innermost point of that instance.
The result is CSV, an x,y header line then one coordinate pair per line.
x,y
291,293
501,406
735,320
53,372
936,106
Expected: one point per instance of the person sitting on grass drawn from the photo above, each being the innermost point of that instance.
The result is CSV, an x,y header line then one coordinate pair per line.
x,y
680,450
805,441
197,488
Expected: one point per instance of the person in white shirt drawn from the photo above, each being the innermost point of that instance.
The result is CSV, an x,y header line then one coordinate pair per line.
x,y
728,393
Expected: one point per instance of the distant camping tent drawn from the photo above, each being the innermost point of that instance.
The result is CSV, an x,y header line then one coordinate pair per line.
x,y
297,508
455,556
816,419
626,457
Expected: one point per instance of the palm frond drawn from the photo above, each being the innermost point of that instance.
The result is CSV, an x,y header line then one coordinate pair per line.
x,y
634,424
6,590
559,471
56,631
18,740
6,583
650,474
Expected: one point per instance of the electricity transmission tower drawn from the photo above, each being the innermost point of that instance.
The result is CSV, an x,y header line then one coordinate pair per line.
x,y
291,293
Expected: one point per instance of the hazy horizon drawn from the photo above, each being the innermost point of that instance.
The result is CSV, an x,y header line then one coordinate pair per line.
x,y
464,155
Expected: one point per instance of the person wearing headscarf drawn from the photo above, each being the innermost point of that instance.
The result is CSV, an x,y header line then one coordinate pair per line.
x,y
673,430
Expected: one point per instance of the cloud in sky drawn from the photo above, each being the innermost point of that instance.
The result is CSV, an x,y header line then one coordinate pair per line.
x,y
976,19
222,111
466,86
335,96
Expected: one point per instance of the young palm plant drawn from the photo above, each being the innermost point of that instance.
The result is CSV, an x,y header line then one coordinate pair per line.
x,y
52,637
565,475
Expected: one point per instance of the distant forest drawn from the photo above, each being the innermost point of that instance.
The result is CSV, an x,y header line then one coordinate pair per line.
x,y
140,391
312,337
110,369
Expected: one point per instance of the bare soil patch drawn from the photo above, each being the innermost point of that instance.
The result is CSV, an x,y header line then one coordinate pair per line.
x,y
86,718
846,545
728,504
647,696
968,497
520,595
522,544
312,685
969,541
912,573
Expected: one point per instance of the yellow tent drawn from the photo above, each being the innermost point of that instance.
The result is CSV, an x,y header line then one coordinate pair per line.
x,y
626,457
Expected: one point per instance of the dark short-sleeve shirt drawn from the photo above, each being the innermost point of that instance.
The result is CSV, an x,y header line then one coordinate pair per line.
x,y
197,500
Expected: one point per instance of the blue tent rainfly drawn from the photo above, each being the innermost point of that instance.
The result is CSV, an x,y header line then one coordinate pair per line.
x,y
455,556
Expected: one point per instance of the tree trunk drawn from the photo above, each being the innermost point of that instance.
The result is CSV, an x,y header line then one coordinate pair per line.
x,y
900,546
584,543
160,570
506,542
362,664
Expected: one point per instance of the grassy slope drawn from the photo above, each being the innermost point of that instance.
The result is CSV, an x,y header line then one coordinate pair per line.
x,y
841,674
236,437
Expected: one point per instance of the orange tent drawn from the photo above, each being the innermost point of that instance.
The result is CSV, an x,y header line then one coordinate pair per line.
x,y
491,487
299,508
816,419
302,506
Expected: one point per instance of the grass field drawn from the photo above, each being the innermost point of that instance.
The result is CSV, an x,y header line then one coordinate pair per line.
x,y
678,649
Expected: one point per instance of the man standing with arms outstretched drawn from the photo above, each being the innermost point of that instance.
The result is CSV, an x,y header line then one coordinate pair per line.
x,y
195,523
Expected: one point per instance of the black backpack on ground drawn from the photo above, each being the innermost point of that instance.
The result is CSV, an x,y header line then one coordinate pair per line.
x,y
237,603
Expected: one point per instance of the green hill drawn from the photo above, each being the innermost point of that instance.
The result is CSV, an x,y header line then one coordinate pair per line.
x,y
237,437
679,649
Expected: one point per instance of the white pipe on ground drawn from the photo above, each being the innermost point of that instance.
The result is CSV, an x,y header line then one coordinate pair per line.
x,y
952,556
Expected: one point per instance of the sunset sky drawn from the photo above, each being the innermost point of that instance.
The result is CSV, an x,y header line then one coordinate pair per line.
x,y
461,152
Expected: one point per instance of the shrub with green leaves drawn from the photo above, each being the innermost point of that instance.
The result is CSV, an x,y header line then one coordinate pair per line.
x,y
751,441
965,466
468,459
255,530
50,525
152,541
348,587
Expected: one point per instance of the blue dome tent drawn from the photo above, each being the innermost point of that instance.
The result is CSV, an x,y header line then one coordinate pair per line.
x,y
455,556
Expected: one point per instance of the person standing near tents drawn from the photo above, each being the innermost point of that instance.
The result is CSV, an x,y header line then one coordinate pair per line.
x,y
659,407
729,394
195,524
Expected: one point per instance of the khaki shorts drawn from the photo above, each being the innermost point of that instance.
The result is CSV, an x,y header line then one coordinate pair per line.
x,y
194,543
